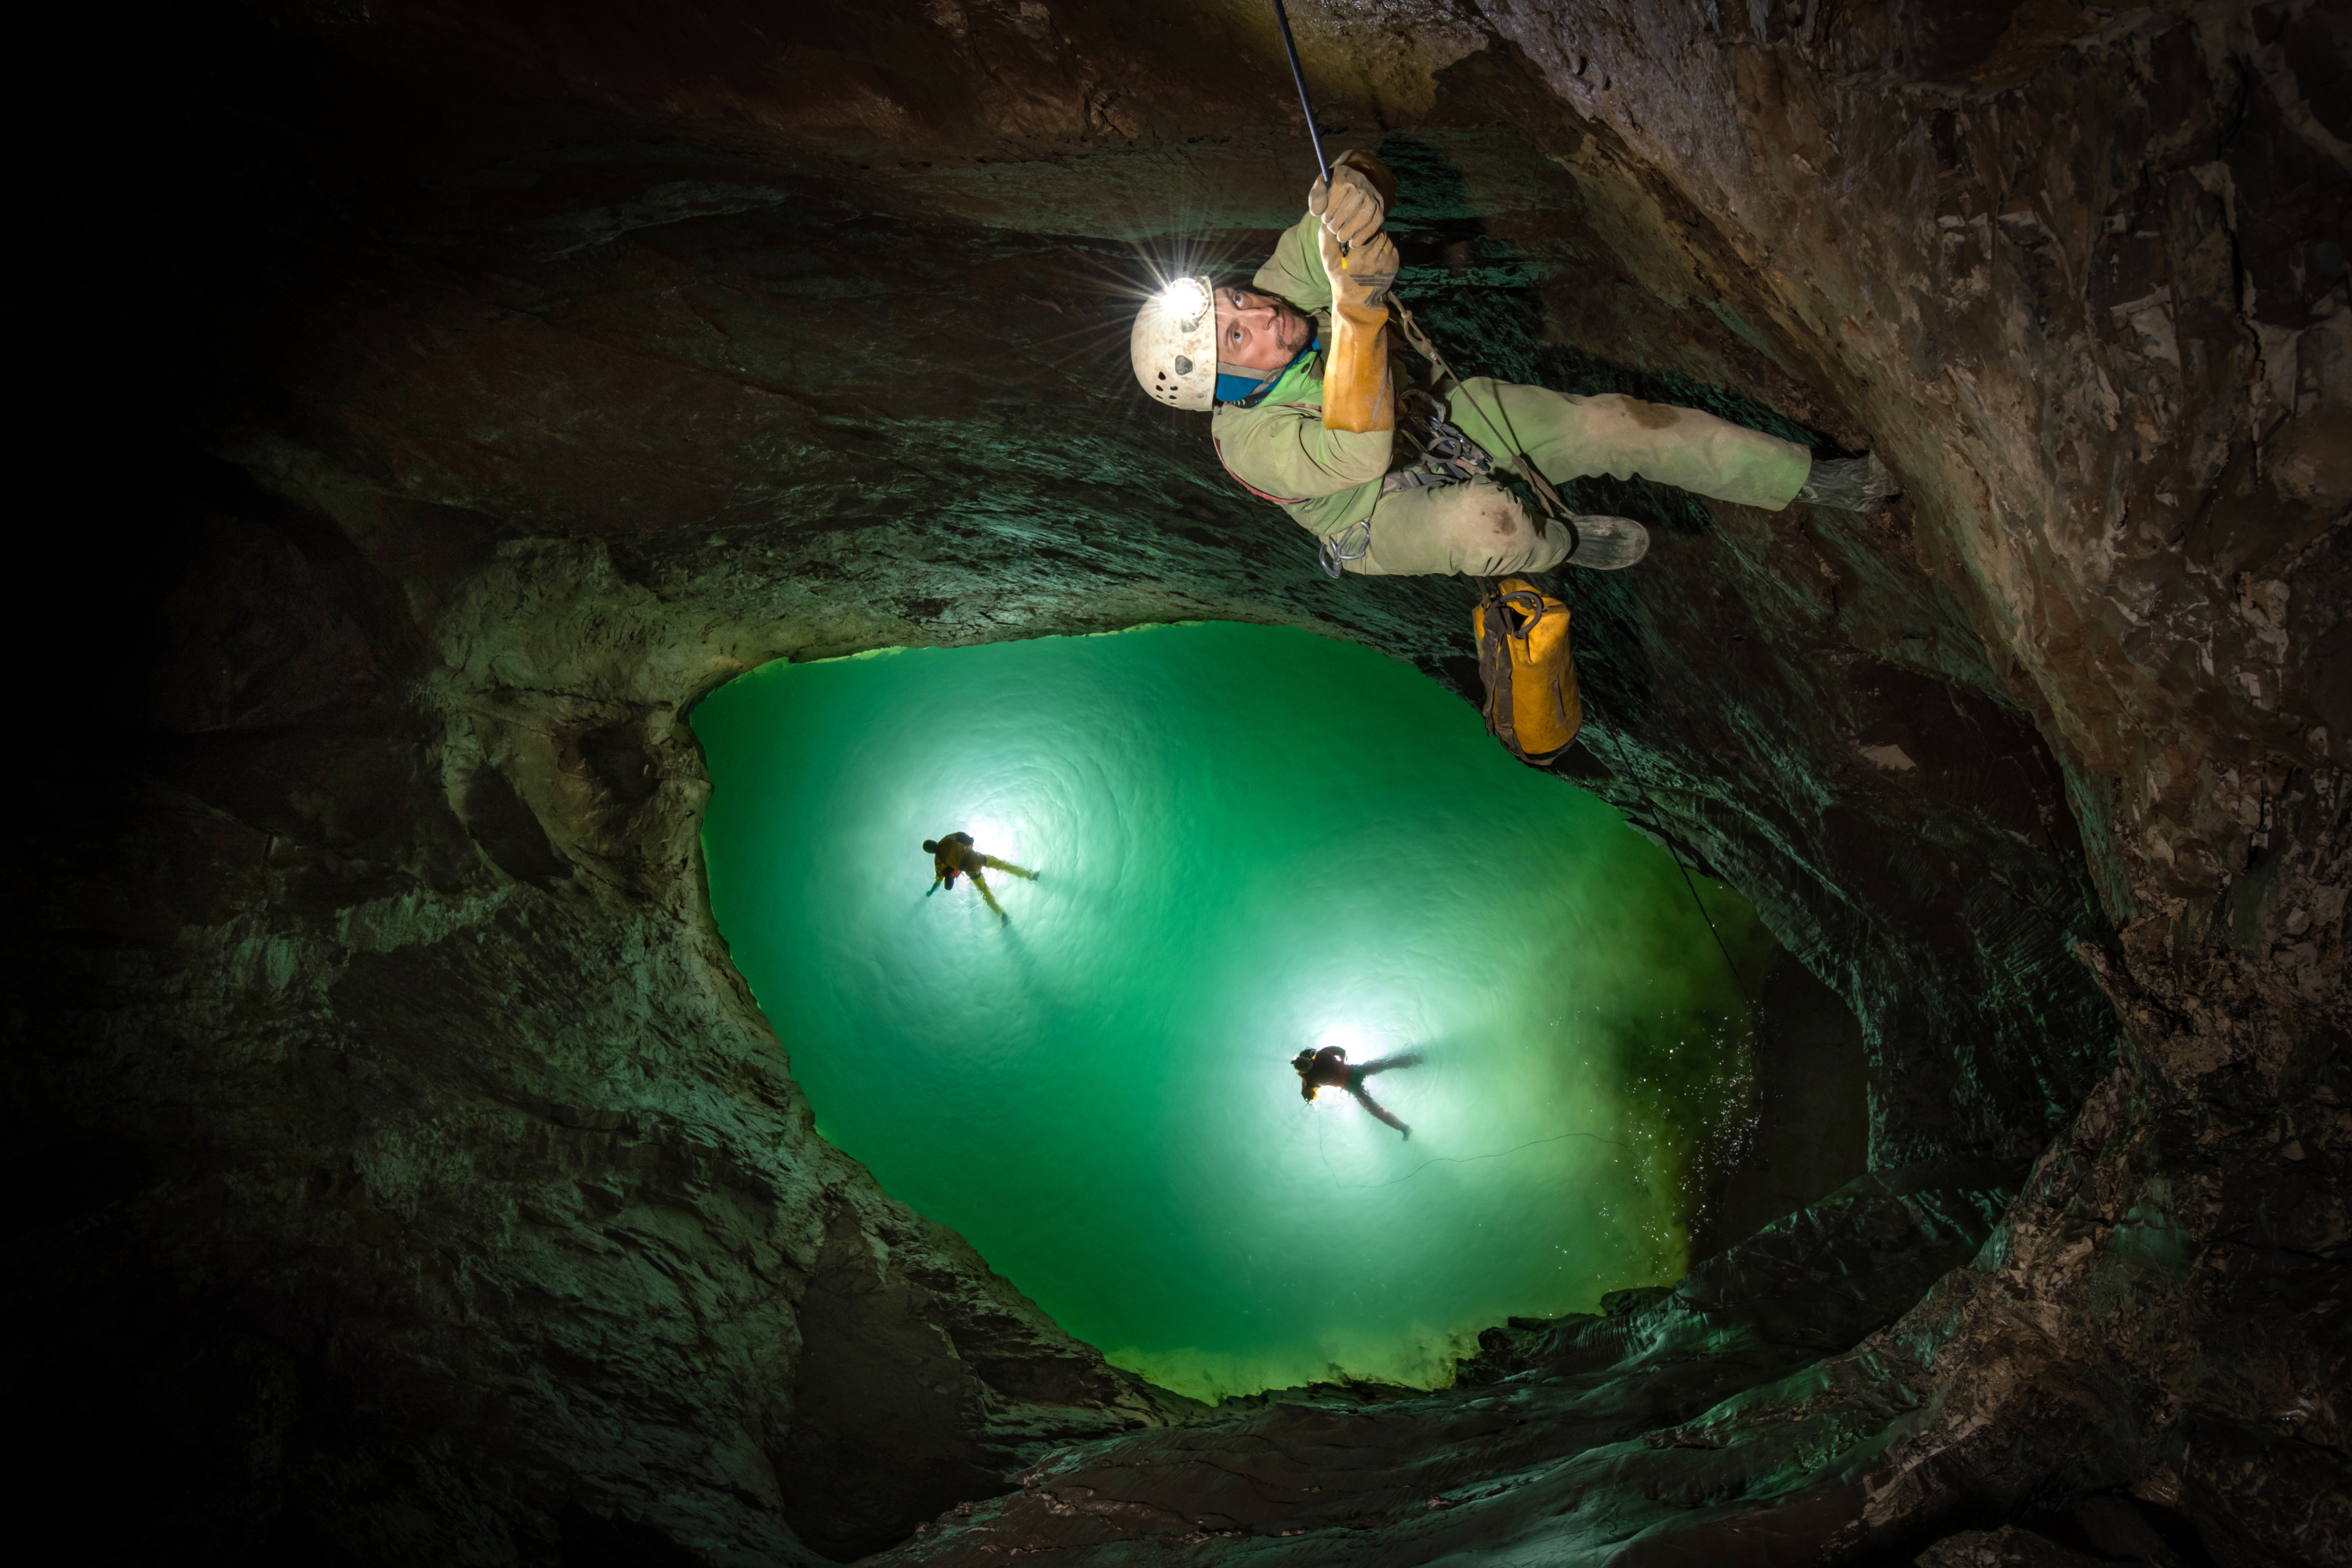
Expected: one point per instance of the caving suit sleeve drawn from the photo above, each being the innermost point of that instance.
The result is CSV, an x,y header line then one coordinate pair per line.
x,y
1283,451
1294,271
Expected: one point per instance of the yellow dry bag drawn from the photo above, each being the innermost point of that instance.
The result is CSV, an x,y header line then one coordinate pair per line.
x,y
1529,675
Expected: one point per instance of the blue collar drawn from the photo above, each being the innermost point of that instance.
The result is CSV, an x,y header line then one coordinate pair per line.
x,y
1245,390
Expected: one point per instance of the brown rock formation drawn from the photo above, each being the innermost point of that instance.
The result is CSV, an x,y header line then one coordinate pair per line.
x,y
442,398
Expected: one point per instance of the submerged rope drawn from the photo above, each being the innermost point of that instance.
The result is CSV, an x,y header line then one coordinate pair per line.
x,y
1321,1152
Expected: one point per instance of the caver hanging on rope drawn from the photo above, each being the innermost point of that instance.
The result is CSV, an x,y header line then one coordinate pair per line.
x,y
1314,410
1392,467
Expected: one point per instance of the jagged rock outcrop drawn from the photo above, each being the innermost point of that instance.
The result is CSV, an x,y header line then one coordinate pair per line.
x,y
455,395
1685,1418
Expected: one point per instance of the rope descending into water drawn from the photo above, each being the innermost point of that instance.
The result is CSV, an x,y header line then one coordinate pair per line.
x,y
1321,1122
1754,1008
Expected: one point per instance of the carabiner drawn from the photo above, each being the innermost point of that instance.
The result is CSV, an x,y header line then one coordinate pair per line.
x,y
1334,554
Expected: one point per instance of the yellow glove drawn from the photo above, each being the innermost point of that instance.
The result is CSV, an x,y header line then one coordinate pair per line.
x,y
1357,392
1356,209
1351,204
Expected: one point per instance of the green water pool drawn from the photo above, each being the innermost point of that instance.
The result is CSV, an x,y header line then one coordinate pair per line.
x,y
1249,840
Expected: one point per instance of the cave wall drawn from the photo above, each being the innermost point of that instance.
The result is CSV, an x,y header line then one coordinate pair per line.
x,y
461,393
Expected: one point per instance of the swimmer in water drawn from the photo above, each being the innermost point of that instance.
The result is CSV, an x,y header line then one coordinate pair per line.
x,y
1329,1068
954,855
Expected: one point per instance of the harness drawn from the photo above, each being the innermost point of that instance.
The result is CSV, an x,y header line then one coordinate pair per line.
x,y
1448,457
1440,453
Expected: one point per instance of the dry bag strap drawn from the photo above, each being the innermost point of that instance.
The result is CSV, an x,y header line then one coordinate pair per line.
x,y
1495,669
1530,606
1546,497
1494,665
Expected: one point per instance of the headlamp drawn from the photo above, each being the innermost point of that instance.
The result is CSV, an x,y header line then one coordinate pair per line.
x,y
1184,299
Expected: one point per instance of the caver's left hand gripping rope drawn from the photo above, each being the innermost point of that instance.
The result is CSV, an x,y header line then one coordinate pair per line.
x,y
1545,494
1322,166
1549,497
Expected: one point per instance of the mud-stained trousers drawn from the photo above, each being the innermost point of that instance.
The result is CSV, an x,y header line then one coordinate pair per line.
x,y
1481,528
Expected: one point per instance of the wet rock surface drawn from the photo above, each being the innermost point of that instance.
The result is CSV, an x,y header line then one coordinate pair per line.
x,y
1686,1417
457,395
1809,1132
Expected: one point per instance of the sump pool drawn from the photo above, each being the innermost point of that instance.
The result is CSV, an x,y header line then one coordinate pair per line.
x,y
1250,841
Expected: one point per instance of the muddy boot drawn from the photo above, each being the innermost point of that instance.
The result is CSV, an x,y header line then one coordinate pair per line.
x,y
1849,484
1608,543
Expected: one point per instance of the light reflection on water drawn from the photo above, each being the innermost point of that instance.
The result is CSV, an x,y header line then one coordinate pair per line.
x,y
1250,841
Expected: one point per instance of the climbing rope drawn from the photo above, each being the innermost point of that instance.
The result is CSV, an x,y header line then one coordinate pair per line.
x,y
1499,420
1334,553
1754,1008
1282,19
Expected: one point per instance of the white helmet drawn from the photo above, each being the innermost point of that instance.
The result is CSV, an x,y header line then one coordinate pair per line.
x,y
1175,345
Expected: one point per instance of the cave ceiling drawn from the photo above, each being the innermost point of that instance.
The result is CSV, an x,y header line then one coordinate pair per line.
x,y
436,400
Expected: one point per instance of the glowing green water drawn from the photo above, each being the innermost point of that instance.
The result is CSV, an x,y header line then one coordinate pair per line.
x,y
1249,840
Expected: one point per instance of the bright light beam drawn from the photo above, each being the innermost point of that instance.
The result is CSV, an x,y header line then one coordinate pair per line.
x,y
1183,299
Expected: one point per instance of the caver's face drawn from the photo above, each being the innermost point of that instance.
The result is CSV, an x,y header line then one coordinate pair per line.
x,y
1258,332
